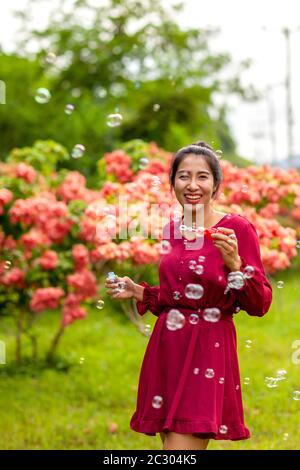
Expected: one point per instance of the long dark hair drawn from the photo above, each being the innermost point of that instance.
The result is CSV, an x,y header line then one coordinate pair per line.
x,y
205,151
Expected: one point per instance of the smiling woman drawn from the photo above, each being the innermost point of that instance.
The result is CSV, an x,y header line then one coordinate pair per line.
x,y
189,388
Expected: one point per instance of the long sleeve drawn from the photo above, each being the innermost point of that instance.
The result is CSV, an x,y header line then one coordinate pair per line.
x,y
150,300
255,297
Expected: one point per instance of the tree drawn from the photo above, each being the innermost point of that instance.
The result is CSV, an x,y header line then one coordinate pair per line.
x,y
132,58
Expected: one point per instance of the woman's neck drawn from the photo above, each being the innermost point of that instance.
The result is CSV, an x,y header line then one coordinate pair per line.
x,y
209,216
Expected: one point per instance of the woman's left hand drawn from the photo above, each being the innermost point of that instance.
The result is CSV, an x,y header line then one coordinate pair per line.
x,y
226,242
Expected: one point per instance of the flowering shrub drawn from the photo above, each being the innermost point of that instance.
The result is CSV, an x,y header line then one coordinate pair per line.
x,y
57,235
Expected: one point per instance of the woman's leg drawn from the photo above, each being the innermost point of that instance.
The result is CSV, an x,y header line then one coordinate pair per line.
x,y
176,441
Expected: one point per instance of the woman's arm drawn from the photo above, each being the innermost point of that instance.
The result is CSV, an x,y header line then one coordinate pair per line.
x,y
255,297
147,298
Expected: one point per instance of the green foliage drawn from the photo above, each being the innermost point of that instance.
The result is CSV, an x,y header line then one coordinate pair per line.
x,y
44,156
129,57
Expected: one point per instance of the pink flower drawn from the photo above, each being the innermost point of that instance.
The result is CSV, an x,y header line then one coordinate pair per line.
x,y
5,196
81,256
46,298
72,314
84,283
13,276
49,260
25,172
35,237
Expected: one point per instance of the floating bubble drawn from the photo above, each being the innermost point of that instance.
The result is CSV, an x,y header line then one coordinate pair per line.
x,y
248,272
298,244
219,153
199,269
246,380
223,429
147,329
157,401
201,259
143,163
78,151
237,387
280,284
50,58
296,395
244,188
280,374
248,343
69,108
212,314
285,436
217,345
176,295
81,360
156,107
42,95
155,181
237,309
114,120
193,318
165,247
196,371
194,291
209,373
7,265
236,280
175,320
271,382
221,380
220,278
100,304
192,264
137,85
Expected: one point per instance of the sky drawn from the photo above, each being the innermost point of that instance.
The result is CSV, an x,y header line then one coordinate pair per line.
x,y
248,29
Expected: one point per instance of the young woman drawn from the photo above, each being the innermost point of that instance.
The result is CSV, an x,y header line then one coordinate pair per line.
x,y
189,388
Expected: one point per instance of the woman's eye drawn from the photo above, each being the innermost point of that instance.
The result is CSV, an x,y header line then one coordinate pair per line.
x,y
182,177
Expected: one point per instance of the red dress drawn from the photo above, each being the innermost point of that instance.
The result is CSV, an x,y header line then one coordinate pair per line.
x,y
189,379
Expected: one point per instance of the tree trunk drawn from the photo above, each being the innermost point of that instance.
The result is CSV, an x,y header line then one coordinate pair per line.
x,y
54,344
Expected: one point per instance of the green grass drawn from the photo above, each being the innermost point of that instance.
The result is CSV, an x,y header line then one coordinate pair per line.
x,y
71,406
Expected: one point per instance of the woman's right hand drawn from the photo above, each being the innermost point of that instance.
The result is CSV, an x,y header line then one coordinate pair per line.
x,y
128,285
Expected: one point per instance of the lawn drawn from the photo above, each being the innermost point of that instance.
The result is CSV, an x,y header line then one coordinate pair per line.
x,y
94,383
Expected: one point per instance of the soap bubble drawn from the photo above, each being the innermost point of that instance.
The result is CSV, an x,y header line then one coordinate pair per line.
x,y
221,380
100,304
248,343
236,280
143,163
42,95
248,272
223,429
246,380
69,108
212,314
280,284
50,58
192,264
78,151
175,320
193,318
194,291
199,269
296,395
176,295
209,373
157,401
196,371
271,382
156,107
114,120
7,265
165,247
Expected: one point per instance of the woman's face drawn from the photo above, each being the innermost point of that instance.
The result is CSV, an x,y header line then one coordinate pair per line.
x,y
193,178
